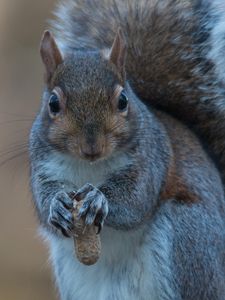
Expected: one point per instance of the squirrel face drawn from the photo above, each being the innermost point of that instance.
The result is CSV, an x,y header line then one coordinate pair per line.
x,y
87,111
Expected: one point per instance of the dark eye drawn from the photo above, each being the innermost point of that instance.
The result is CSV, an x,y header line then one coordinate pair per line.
x,y
123,101
54,104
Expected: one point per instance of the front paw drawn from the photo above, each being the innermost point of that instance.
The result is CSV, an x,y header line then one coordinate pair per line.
x,y
95,205
60,216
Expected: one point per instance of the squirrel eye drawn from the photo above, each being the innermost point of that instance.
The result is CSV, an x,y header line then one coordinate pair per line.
x,y
123,101
54,103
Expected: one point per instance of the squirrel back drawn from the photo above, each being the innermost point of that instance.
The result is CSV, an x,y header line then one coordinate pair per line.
x,y
174,59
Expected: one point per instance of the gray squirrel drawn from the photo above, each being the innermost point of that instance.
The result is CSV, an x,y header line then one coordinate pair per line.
x,y
120,76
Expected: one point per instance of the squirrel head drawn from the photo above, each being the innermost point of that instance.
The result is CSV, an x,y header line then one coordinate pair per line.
x,y
88,108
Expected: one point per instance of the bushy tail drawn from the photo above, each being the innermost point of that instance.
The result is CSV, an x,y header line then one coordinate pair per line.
x,y
174,57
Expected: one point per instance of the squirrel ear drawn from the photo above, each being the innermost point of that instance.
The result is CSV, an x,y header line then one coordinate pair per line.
x,y
50,54
118,53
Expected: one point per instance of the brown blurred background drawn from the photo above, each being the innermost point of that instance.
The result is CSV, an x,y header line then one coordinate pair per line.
x,y
24,267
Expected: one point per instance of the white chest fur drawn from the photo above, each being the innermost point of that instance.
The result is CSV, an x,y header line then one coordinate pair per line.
x,y
65,168
122,272
133,265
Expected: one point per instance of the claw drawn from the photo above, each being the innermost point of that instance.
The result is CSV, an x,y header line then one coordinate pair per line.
x,y
99,223
82,192
99,228
72,195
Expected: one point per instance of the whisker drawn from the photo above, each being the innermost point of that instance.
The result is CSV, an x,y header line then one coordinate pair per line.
x,y
18,115
12,158
15,121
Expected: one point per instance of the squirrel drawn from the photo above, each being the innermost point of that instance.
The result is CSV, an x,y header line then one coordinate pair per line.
x,y
127,121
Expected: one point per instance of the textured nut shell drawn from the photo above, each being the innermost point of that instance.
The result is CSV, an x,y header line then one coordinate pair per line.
x,y
87,243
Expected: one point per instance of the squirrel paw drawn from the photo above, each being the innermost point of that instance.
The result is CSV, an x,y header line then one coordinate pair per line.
x,y
60,216
95,205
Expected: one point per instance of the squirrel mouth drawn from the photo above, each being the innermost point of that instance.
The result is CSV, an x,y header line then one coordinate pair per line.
x,y
92,157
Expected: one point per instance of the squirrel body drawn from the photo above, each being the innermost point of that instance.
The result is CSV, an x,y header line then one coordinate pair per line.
x,y
142,262
141,172
156,258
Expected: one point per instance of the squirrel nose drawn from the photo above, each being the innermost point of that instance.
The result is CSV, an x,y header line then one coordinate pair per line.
x,y
91,152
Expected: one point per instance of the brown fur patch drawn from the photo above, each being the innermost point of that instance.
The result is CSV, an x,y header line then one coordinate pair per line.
x,y
176,188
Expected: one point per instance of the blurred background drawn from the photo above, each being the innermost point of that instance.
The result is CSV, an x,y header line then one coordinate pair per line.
x,y
24,267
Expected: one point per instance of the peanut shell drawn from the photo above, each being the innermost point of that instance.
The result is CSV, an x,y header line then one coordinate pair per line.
x,y
87,242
